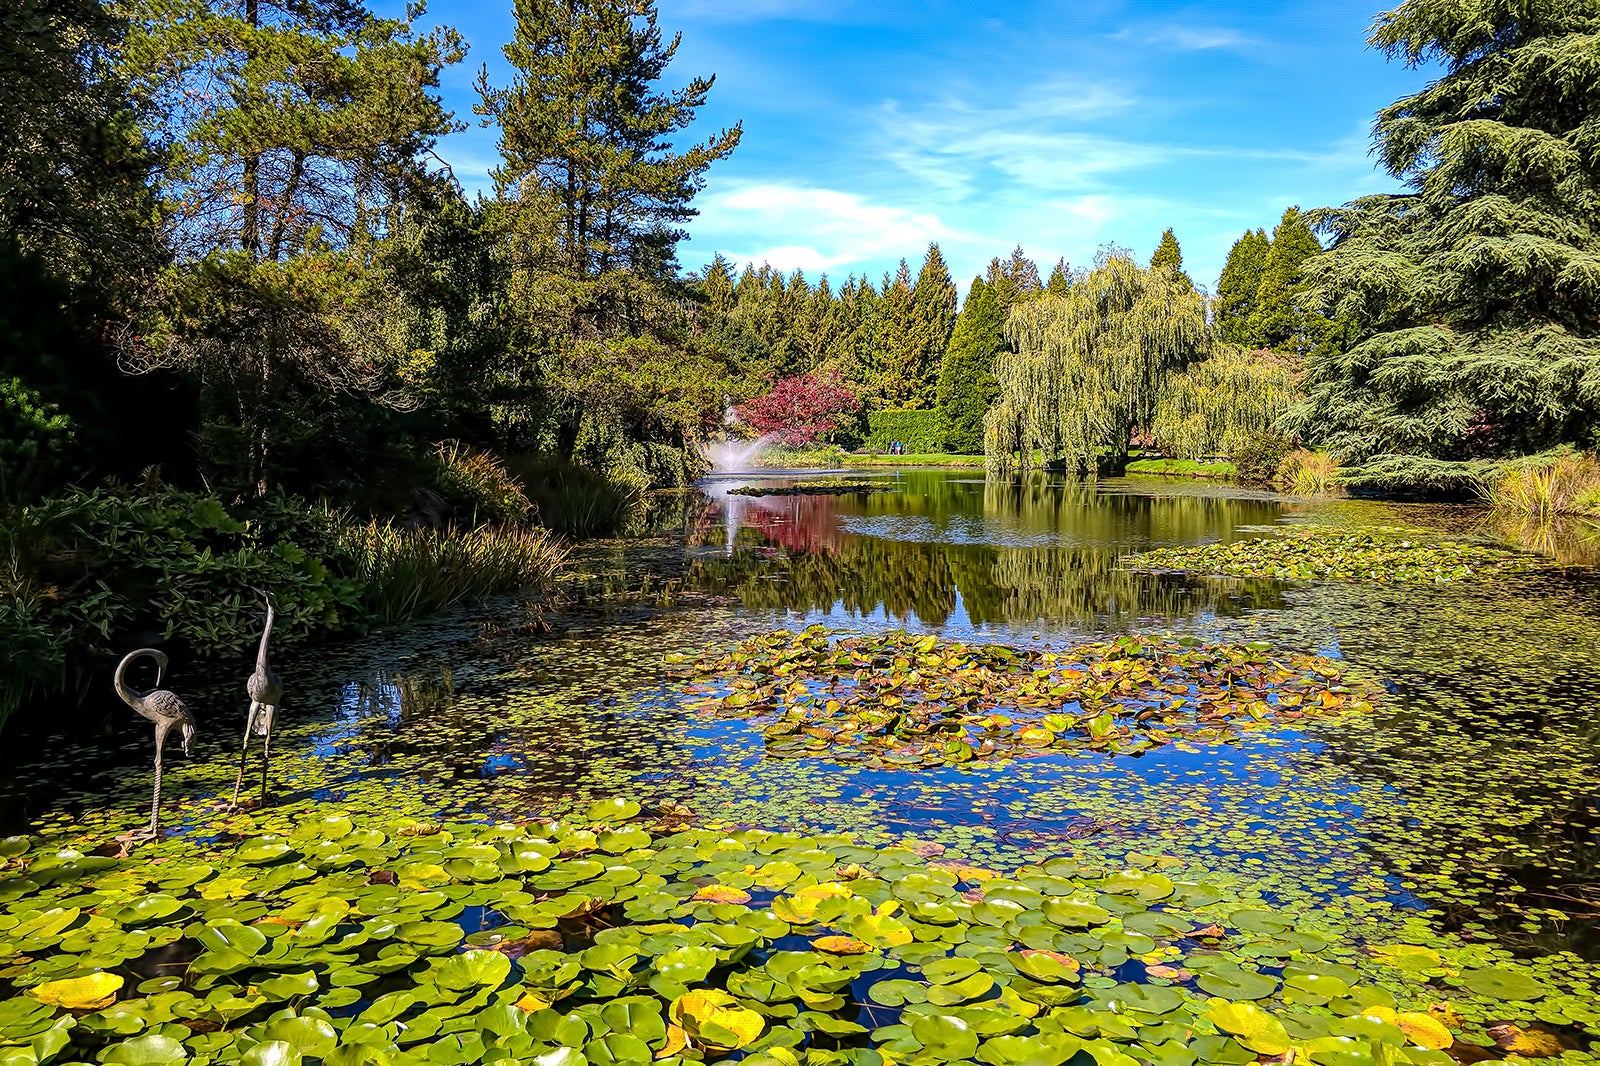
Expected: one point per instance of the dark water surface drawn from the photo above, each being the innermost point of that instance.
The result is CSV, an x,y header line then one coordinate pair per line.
x,y
1473,792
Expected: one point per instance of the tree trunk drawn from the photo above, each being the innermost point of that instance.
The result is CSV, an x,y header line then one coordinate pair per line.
x,y
250,230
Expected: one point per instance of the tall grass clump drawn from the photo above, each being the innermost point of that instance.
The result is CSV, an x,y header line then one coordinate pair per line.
x,y
405,573
1564,485
478,484
574,500
1308,473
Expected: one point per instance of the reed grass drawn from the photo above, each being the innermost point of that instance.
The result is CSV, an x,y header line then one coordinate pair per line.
x,y
1307,473
1566,485
406,573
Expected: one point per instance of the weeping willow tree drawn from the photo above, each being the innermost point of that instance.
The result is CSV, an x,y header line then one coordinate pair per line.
x,y
1087,369
1214,405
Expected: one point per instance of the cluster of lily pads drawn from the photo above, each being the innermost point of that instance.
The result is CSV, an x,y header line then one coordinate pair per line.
x,y
1307,553
813,488
620,939
901,699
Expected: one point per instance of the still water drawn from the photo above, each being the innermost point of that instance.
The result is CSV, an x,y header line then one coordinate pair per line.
x,y
1472,794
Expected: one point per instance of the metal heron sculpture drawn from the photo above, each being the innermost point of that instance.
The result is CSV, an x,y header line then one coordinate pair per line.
x,y
266,693
167,712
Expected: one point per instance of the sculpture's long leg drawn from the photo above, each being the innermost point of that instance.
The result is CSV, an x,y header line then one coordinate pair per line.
x,y
266,763
155,795
244,750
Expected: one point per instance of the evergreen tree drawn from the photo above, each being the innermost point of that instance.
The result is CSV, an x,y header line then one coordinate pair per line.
x,y
896,361
595,192
1238,287
1284,318
1168,256
296,133
1060,278
1471,302
1014,278
966,377
933,305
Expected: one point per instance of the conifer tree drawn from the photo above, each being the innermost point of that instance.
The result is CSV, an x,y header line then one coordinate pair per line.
x,y
1168,256
966,377
933,305
295,134
1238,287
896,361
1060,278
1014,278
1284,318
1471,302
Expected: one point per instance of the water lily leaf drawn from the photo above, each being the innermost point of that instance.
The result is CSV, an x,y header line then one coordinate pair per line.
x,y
1045,1049
289,985
262,851
953,992
1408,956
943,971
1233,982
472,969
1051,967
1149,999
840,945
272,1053
1501,982
91,992
613,810
945,1037
716,1019
1424,1030
1249,1025
152,1049
561,1056
722,894
1075,913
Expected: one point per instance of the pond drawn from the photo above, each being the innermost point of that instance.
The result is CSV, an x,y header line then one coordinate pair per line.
x,y
1465,808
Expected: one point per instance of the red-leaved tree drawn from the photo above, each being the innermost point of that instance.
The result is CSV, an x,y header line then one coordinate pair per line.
x,y
800,409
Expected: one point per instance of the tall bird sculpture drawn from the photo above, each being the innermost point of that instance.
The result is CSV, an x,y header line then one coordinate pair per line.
x,y
266,693
164,709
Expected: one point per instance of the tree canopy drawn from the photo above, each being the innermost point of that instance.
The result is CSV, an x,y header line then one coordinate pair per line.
x,y
1470,303
966,379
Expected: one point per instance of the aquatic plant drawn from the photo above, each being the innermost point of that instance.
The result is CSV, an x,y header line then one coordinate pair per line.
x,y
409,572
1307,473
899,699
1306,553
814,488
479,484
1565,484
627,937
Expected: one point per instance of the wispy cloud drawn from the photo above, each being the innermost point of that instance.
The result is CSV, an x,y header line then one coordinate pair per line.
x,y
1179,37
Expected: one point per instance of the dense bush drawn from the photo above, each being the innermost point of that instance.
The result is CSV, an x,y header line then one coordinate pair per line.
x,y
922,432
1257,459
478,486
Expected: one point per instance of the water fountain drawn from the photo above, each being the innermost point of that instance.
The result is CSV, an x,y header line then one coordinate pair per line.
x,y
731,455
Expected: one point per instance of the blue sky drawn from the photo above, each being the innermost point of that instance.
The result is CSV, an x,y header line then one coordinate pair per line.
x,y
872,129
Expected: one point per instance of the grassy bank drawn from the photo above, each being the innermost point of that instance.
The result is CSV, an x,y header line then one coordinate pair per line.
x,y
829,458
1183,468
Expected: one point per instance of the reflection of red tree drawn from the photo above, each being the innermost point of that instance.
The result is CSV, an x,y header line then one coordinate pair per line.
x,y
798,523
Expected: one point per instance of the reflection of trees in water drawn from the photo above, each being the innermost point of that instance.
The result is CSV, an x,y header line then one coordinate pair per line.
x,y
994,584
1081,513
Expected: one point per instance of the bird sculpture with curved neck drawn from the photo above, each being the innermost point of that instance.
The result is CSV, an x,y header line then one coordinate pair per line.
x,y
266,693
166,711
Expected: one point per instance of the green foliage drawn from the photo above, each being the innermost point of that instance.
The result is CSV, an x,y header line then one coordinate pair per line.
x,y
1307,473
1308,553
1239,288
1214,406
1471,302
1258,456
36,441
84,569
1284,318
967,385
1089,368
919,431
573,500
1168,256
1542,486
407,573
1060,279
479,485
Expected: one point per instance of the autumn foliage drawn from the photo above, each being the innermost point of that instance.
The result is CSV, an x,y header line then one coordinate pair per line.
x,y
800,409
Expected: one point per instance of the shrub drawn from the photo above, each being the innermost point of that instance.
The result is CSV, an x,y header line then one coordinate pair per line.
x,y
1308,473
406,573
801,409
920,431
1258,458
1547,485
574,500
479,486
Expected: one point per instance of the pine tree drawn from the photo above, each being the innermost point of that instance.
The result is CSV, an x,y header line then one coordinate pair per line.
x,y
1238,287
1284,318
1060,278
296,135
1014,278
1471,302
1168,256
933,306
966,377
588,169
